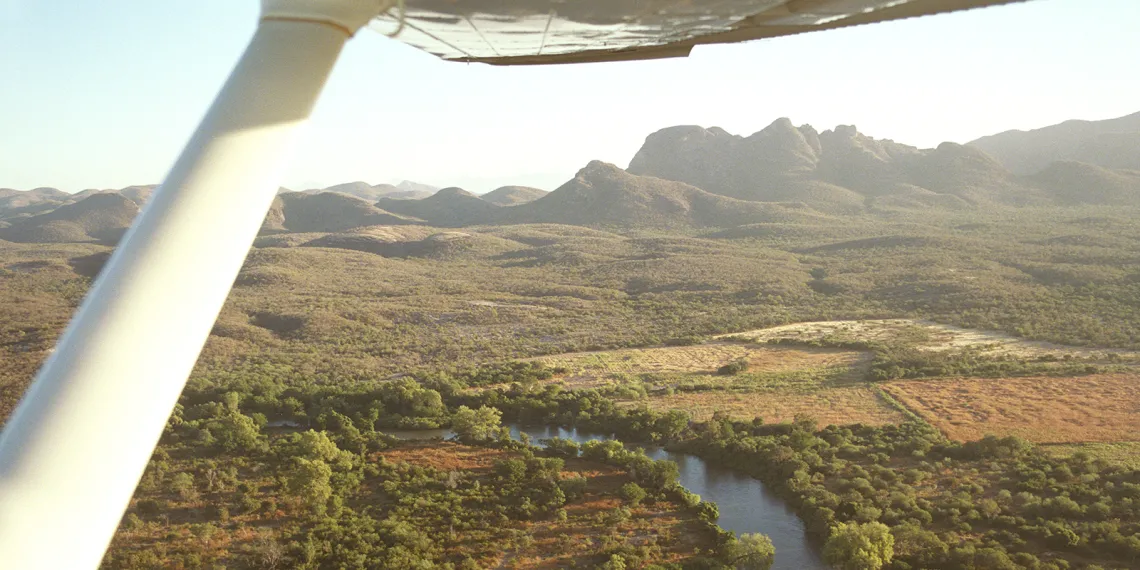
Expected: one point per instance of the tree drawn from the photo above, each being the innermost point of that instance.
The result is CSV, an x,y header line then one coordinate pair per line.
x,y
183,484
919,545
573,487
231,400
310,481
561,447
315,445
235,432
751,552
477,425
269,552
409,398
708,512
855,546
735,367
616,562
633,493
672,423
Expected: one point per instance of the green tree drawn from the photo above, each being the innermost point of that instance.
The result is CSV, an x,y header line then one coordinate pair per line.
x,y
561,447
476,425
231,400
708,512
616,562
633,493
183,484
855,546
672,423
316,445
751,552
919,545
235,431
310,481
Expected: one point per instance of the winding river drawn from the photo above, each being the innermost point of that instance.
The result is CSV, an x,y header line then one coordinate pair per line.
x,y
745,505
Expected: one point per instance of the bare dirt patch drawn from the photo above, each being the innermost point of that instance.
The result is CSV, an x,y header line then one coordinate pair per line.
x,y
446,456
1098,408
841,405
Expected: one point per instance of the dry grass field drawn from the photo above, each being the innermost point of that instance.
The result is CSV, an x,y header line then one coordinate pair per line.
x,y
1126,453
587,369
836,405
1098,408
780,383
927,335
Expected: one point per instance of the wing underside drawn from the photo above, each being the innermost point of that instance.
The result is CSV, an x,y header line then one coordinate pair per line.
x,y
520,32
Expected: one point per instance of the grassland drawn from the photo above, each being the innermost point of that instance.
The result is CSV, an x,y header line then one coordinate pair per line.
x,y
1125,453
931,336
1096,408
846,405
779,384
702,360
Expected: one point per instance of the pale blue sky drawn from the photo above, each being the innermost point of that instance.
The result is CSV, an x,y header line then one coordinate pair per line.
x,y
103,94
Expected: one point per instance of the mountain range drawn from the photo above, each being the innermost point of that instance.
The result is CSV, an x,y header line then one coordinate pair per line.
x,y
1114,144
685,177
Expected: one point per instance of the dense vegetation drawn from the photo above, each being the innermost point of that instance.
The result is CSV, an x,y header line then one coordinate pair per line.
x,y
227,489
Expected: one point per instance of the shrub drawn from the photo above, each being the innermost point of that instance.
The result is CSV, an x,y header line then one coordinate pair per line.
x,y
735,367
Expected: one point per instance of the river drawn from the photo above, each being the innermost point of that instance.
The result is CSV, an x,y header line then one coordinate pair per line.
x,y
745,505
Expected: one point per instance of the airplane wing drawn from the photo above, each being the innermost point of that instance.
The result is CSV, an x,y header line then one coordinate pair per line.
x,y
529,32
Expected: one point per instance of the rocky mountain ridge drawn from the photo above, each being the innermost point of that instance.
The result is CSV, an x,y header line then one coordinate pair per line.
x,y
682,177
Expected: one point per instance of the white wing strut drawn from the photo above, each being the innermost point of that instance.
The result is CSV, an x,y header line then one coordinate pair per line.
x,y
75,448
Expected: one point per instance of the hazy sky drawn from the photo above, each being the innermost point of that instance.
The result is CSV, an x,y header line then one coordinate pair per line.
x,y
104,94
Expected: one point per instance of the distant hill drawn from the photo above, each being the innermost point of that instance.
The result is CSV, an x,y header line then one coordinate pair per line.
x,y
423,190
362,190
101,217
1113,143
370,193
512,195
427,244
837,171
397,193
603,195
450,207
1069,182
29,202
139,194
324,212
